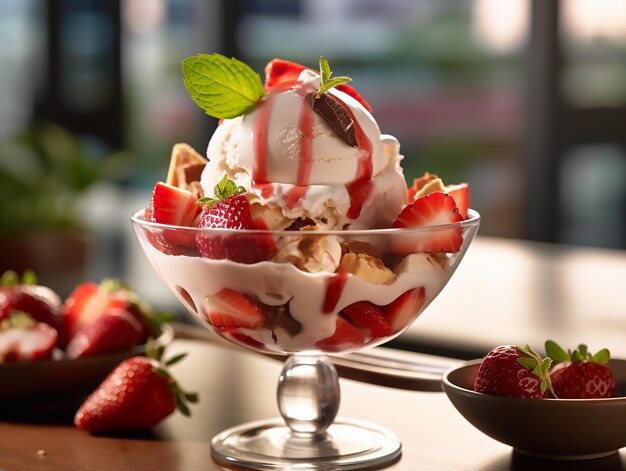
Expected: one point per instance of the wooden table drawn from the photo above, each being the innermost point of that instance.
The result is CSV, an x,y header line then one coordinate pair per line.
x,y
237,386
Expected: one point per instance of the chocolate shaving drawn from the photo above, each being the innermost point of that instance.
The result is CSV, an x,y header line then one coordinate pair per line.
x,y
335,115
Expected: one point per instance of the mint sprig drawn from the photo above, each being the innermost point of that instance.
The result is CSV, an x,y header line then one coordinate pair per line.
x,y
224,88
326,82
222,190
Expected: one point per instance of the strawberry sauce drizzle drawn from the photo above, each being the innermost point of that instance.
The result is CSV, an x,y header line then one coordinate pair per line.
x,y
359,188
334,288
259,136
305,157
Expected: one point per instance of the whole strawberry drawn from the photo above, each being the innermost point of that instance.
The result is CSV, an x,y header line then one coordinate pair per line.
x,y
138,394
510,370
25,295
579,374
230,209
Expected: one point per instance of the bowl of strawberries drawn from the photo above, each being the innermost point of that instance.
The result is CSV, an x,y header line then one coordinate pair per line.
x,y
569,405
55,351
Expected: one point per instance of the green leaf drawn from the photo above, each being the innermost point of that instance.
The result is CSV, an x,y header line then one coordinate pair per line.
x,y
224,88
9,278
529,363
182,407
191,397
584,352
224,189
602,357
576,356
326,82
162,372
175,359
29,278
554,351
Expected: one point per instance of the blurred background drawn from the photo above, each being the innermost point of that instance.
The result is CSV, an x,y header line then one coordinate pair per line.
x,y
525,100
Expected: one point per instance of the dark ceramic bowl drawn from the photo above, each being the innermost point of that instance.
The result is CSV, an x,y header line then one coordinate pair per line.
x,y
573,429
46,384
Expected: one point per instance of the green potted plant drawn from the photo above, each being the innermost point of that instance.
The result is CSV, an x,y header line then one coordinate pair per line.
x,y
43,174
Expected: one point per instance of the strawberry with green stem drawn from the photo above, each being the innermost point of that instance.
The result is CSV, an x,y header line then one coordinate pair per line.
x,y
138,394
518,371
579,374
230,209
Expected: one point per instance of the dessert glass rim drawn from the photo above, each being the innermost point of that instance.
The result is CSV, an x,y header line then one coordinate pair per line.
x,y
472,219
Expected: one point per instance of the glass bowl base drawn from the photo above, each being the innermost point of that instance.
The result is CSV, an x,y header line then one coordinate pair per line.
x,y
271,445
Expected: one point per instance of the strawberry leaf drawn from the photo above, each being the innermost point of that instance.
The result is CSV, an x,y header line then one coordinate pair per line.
x,y
584,352
554,351
602,357
9,278
577,356
175,359
529,363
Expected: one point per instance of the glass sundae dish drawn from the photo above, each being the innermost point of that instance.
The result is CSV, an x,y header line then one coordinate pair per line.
x,y
300,237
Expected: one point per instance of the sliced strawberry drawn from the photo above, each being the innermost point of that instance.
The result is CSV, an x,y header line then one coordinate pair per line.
x,y
230,308
279,71
233,334
234,212
173,205
405,308
419,183
87,303
22,338
345,337
369,318
116,330
461,195
435,209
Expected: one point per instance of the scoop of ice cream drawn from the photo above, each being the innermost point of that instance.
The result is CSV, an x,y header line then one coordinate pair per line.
x,y
291,159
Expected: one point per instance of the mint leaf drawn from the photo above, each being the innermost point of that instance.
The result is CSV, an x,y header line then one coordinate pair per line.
x,y
222,190
326,82
224,88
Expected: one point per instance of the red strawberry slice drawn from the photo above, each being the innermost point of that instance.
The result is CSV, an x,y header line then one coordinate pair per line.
x,y
138,394
234,212
461,195
369,318
174,206
86,304
240,338
345,337
22,338
230,308
279,71
405,309
116,330
435,209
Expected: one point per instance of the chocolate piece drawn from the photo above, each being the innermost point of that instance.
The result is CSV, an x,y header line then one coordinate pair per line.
x,y
279,316
300,224
335,115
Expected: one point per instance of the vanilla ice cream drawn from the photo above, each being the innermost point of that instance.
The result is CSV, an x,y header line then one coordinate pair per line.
x,y
293,163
